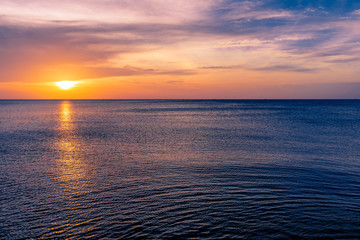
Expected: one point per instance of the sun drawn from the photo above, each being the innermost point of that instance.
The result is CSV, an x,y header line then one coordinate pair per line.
x,y
65,85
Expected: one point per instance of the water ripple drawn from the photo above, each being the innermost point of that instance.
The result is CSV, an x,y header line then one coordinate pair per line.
x,y
180,170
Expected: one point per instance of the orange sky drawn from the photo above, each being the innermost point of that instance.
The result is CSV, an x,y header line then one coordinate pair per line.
x,y
179,49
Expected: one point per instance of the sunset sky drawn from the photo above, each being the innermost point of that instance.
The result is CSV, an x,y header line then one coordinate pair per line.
x,y
180,49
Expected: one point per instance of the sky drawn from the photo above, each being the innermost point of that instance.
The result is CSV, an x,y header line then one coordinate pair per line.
x,y
180,49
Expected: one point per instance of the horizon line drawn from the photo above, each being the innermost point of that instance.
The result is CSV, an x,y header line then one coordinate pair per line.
x,y
165,99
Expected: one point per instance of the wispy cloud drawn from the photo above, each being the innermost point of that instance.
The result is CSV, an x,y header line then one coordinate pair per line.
x,y
269,68
344,60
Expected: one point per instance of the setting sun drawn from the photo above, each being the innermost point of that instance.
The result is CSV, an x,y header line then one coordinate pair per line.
x,y
65,85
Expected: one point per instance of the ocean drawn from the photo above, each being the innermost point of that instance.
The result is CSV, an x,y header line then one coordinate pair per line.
x,y
180,169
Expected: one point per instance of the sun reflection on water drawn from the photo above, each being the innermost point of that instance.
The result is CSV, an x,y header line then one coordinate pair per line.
x,y
65,115
71,173
72,169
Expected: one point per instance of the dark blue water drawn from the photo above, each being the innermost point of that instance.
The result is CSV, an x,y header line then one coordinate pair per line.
x,y
180,169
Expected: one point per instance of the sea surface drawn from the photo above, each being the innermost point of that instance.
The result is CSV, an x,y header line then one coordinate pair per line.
x,y
180,169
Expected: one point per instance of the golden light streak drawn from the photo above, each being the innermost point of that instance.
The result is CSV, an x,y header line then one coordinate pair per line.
x,y
69,147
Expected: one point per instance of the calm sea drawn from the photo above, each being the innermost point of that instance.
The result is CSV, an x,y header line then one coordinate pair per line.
x,y
160,169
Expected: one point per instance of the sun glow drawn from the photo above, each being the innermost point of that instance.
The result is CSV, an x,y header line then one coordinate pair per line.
x,y
65,85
